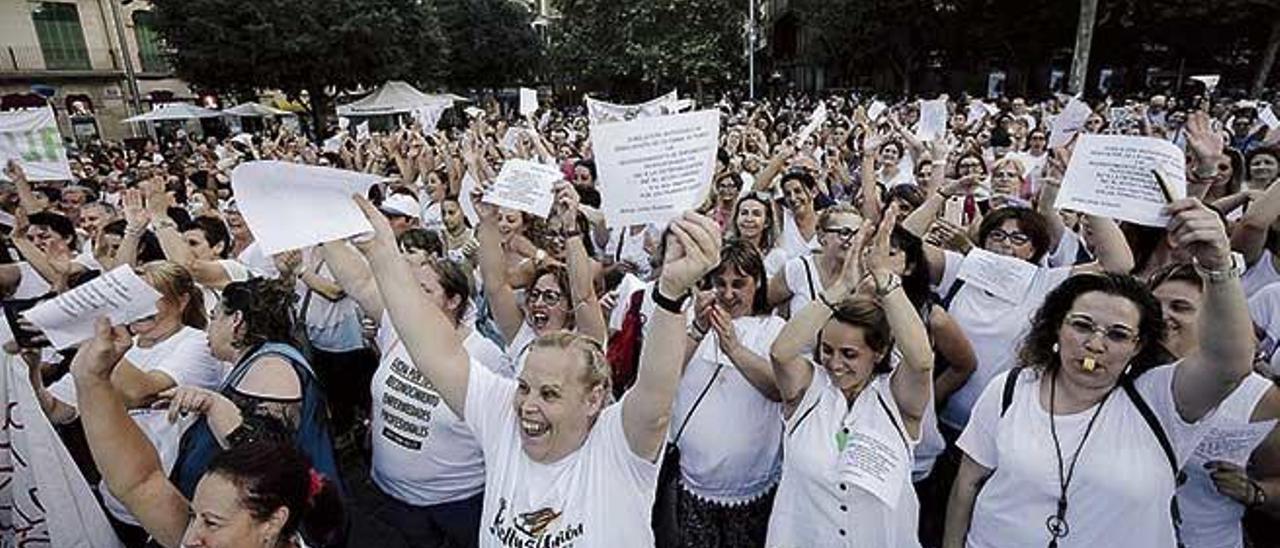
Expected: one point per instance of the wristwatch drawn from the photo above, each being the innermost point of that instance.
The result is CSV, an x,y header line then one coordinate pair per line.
x,y
1218,276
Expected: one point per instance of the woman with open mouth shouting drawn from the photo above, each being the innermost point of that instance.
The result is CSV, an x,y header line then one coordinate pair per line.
x,y
560,297
562,465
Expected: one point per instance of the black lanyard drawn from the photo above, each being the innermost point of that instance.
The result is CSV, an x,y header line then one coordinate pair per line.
x,y
1057,523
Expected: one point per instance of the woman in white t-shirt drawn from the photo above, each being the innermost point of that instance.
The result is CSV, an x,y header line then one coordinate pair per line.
x,y
753,222
169,349
1061,454
805,276
427,465
562,466
851,404
799,214
726,416
562,296
1237,464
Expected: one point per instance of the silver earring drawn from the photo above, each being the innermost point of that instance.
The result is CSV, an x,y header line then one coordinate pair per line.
x,y
1055,348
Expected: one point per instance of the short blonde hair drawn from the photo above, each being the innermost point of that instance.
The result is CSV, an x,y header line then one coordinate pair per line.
x,y
597,371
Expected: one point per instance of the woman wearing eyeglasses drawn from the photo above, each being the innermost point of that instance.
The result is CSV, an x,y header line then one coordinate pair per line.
x,y
559,297
1077,447
804,277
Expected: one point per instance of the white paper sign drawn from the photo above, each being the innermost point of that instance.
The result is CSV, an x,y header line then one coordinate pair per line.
x,y
528,101
874,460
933,119
1069,122
44,500
526,186
1005,277
600,112
1210,81
1110,176
977,112
291,206
362,131
816,120
343,123
876,109
429,116
334,144
67,320
31,137
1268,116
654,169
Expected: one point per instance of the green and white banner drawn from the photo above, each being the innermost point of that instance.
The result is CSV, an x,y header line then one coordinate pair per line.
x,y
31,137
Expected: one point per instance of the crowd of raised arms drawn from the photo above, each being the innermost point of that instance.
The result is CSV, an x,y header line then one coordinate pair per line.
x,y
796,363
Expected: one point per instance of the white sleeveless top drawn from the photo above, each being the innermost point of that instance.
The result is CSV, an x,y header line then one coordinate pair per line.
x,y
1209,519
804,282
815,505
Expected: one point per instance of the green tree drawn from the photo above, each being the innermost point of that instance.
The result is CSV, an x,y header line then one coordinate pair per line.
x,y
316,46
636,48
492,42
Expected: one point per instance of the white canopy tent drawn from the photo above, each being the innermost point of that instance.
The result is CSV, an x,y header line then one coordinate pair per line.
x,y
394,97
175,111
254,110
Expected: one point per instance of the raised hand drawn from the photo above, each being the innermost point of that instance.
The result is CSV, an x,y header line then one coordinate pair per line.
x,y
1198,230
877,254
1205,143
383,237
136,215
98,356
693,250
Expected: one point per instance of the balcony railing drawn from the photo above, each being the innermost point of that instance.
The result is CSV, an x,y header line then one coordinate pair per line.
x,y
14,58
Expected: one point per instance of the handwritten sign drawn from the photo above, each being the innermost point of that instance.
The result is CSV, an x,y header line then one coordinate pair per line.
x,y
1110,176
119,294
1005,277
526,186
44,500
31,137
654,169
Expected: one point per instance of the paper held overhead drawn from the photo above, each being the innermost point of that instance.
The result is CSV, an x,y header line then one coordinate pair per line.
x,y
1069,122
291,206
122,296
654,169
933,119
601,112
526,186
1112,176
876,110
528,101
816,120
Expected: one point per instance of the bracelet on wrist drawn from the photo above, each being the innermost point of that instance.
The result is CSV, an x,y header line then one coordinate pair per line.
x,y
674,306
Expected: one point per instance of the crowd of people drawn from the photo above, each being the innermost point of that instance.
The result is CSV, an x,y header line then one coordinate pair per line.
x,y
797,362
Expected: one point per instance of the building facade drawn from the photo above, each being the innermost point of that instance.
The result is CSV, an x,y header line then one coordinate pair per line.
x,y
70,52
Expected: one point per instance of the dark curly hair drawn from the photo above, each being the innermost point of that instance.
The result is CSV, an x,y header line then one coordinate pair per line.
x,y
1037,349
1030,221
267,309
272,474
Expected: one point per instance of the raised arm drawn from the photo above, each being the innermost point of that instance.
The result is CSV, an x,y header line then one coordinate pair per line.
x,y
1250,235
1109,246
693,250
128,462
493,271
912,382
353,274
26,198
792,368
428,336
869,188
588,319
1225,352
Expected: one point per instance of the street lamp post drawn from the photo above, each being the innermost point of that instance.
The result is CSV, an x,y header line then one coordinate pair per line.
x,y
130,76
751,52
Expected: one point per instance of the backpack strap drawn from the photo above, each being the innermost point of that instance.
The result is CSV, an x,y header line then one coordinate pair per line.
x,y
808,277
1153,424
894,419
951,293
1006,397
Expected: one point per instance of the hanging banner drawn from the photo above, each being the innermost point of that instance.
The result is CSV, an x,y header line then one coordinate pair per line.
x,y
31,137
600,112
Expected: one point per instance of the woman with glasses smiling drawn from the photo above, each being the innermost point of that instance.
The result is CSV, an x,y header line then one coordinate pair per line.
x,y
1076,446
805,277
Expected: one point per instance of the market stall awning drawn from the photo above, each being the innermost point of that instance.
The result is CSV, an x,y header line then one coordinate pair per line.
x,y
394,97
254,110
175,111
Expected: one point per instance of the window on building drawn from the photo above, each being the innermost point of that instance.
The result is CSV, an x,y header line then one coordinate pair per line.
x,y
61,38
149,51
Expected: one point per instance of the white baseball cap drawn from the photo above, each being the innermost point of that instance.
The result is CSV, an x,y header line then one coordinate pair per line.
x,y
401,204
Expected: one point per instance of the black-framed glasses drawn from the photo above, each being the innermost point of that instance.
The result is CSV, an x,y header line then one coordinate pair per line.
x,y
1084,327
843,232
1015,238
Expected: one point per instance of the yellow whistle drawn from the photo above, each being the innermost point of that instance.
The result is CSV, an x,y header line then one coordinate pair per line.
x,y
1089,364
